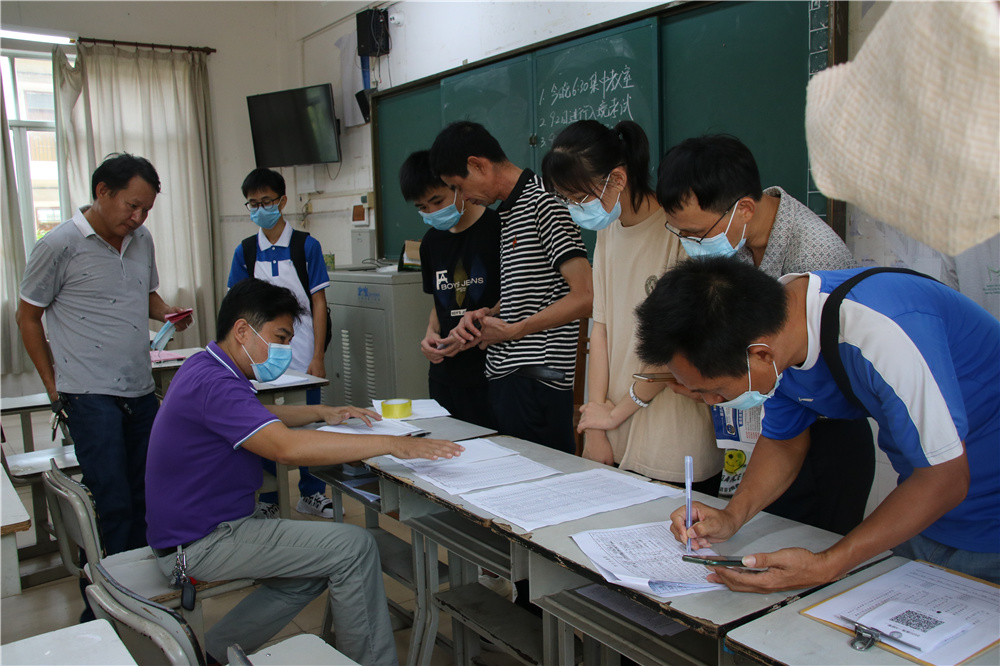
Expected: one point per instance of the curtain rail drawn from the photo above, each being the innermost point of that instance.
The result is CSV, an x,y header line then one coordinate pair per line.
x,y
170,47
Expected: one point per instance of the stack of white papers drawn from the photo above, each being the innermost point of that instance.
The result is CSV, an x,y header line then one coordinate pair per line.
x,y
422,409
483,464
646,558
567,497
383,427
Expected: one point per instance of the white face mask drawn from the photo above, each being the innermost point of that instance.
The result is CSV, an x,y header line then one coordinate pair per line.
x,y
716,246
750,398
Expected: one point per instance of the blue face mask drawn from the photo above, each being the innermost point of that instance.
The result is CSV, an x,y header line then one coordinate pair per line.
x,y
162,337
751,398
446,218
266,217
592,216
279,357
716,246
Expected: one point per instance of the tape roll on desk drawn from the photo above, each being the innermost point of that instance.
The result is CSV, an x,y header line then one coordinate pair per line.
x,y
397,408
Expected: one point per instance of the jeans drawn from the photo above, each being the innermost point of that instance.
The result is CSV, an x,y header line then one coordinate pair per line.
x,y
111,436
295,561
308,484
528,409
980,565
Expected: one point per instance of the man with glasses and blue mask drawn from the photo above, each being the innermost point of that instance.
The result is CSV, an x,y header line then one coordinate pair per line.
x,y
292,259
460,263
204,466
918,357
710,188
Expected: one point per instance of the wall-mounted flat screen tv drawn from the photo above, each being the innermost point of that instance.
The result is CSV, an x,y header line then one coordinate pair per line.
x,y
294,127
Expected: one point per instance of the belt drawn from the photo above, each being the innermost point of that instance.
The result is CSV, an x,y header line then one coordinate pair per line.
x,y
163,552
541,373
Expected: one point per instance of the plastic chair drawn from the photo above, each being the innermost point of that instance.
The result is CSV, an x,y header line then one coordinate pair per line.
x,y
74,519
150,632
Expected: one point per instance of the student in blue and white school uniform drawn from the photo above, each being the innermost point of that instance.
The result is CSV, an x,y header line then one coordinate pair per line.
x,y
277,246
460,263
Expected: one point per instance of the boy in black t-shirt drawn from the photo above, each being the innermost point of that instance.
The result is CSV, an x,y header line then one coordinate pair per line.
x,y
460,262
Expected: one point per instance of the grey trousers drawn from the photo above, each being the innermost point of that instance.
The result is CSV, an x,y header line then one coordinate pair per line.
x,y
294,560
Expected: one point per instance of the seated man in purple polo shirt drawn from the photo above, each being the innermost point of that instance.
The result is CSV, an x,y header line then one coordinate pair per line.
x,y
204,465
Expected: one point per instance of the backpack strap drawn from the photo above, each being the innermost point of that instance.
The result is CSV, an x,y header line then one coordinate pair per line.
x,y
297,248
250,253
829,329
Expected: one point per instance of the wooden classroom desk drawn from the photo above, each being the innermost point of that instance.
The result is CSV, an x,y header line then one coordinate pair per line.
x,y
15,519
555,566
788,637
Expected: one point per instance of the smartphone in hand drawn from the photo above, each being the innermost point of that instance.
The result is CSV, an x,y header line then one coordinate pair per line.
x,y
719,561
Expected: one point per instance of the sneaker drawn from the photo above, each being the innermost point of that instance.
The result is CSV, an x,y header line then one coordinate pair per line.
x,y
266,510
316,504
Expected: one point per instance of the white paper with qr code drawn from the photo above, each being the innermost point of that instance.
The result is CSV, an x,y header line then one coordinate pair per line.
x,y
941,618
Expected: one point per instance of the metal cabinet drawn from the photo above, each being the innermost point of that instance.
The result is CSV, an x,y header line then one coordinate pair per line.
x,y
378,321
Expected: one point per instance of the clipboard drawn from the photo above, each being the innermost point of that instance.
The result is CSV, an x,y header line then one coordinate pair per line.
x,y
865,637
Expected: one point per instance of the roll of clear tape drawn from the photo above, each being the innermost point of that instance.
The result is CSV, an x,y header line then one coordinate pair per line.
x,y
397,408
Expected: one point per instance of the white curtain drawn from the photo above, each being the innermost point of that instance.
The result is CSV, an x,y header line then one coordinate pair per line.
x,y
154,104
13,358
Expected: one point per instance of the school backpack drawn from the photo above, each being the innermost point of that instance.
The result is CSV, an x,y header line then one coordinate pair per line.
x,y
297,248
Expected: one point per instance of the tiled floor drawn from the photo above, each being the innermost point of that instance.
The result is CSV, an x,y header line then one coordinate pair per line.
x,y
58,604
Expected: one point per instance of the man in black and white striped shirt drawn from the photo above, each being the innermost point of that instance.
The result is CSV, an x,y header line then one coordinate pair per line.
x,y
545,288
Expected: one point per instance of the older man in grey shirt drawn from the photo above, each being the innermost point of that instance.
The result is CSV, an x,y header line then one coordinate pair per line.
x,y
94,278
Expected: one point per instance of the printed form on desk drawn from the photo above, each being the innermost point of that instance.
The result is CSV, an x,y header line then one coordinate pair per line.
x,y
646,558
483,464
567,497
356,426
952,616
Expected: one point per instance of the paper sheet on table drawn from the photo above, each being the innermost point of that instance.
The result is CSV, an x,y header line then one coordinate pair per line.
x,y
164,356
567,497
455,477
475,450
383,427
422,409
926,586
646,558
283,380
659,624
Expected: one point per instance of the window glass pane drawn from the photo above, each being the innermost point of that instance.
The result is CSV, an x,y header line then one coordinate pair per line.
x,y
34,89
8,90
44,172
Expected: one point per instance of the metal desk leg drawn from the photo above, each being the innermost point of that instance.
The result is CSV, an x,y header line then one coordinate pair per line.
x,y
27,435
465,641
425,613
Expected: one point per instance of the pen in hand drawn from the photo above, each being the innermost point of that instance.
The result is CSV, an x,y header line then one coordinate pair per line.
x,y
688,474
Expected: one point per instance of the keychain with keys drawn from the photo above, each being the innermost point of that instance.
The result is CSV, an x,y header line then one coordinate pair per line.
x,y
180,579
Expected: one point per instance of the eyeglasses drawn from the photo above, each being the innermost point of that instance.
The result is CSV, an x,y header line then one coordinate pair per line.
x,y
566,201
677,233
265,203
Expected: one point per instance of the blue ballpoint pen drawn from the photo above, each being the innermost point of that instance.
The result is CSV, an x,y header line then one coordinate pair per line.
x,y
688,474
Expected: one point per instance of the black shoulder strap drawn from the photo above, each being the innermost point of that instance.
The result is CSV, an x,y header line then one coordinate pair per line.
x,y
250,253
297,248
829,329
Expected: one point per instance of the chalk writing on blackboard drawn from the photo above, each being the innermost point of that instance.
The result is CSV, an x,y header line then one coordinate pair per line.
x,y
602,96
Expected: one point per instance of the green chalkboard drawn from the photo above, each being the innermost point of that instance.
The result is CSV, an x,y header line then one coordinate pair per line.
x,y
498,97
608,77
405,123
734,67
741,68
